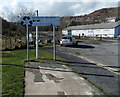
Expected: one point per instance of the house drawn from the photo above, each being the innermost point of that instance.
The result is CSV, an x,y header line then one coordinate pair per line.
x,y
104,29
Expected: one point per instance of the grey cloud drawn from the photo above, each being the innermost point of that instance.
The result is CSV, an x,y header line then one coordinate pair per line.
x,y
60,8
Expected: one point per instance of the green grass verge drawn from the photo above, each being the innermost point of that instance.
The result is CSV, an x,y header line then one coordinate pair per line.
x,y
13,69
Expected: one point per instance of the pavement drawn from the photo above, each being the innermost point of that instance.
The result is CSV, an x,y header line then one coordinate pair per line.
x,y
55,78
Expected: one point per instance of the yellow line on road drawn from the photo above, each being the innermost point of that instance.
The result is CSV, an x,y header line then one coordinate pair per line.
x,y
100,64
97,63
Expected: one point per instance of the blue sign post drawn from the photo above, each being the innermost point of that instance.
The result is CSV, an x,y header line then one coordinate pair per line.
x,y
41,21
47,21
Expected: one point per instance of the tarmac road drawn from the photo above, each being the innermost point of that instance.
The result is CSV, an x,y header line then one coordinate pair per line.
x,y
105,53
97,61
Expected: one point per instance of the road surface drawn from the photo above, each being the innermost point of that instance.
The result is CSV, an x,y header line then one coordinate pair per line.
x,y
97,61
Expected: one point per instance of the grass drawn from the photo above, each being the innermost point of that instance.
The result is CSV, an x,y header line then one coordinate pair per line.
x,y
13,72
13,69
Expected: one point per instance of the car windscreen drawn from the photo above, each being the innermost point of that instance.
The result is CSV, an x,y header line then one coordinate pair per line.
x,y
64,37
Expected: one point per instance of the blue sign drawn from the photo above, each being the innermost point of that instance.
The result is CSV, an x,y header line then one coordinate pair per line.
x,y
26,21
45,21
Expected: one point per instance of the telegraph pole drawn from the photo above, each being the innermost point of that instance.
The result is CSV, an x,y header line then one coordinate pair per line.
x,y
37,39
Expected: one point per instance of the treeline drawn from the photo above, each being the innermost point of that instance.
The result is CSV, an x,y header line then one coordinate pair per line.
x,y
13,35
12,29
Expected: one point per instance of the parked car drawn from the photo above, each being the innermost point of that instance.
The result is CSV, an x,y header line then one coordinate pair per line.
x,y
68,40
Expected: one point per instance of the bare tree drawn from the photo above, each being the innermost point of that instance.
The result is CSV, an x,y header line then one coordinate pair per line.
x,y
15,30
15,16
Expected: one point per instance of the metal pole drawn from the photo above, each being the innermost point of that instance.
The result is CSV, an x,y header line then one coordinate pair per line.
x,y
37,12
36,42
27,42
54,46
37,39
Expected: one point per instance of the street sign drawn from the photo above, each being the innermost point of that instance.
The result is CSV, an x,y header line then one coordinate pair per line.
x,y
45,20
26,21
40,21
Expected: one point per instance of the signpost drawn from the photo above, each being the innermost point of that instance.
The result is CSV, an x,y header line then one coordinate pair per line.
x,y
47,21
36,38
41,21
26,21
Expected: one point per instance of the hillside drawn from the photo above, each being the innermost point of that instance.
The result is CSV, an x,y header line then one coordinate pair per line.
x,y
98,16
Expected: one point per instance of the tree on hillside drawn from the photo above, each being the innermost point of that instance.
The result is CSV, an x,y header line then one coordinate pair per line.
x,y
15,16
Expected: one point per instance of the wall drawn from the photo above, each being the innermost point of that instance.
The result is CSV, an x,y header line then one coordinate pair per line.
x,y
93,32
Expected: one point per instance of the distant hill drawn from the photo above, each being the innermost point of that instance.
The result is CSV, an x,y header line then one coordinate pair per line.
x,y
98,16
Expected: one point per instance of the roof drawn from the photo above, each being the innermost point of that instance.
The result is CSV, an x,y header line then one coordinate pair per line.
x,y
94,26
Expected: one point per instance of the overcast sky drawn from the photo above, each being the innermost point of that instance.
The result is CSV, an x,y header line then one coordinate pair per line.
x,y
55,7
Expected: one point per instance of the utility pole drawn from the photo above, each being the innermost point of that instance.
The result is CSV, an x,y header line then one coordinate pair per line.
x,y
37,39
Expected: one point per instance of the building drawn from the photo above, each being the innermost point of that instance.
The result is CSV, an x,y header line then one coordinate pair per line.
x,y
111,19
117,30
103,29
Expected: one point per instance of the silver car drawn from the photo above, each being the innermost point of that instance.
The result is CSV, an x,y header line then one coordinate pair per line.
x,y
68,40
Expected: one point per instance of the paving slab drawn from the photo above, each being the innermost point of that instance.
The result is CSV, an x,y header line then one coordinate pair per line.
x,y
54,78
